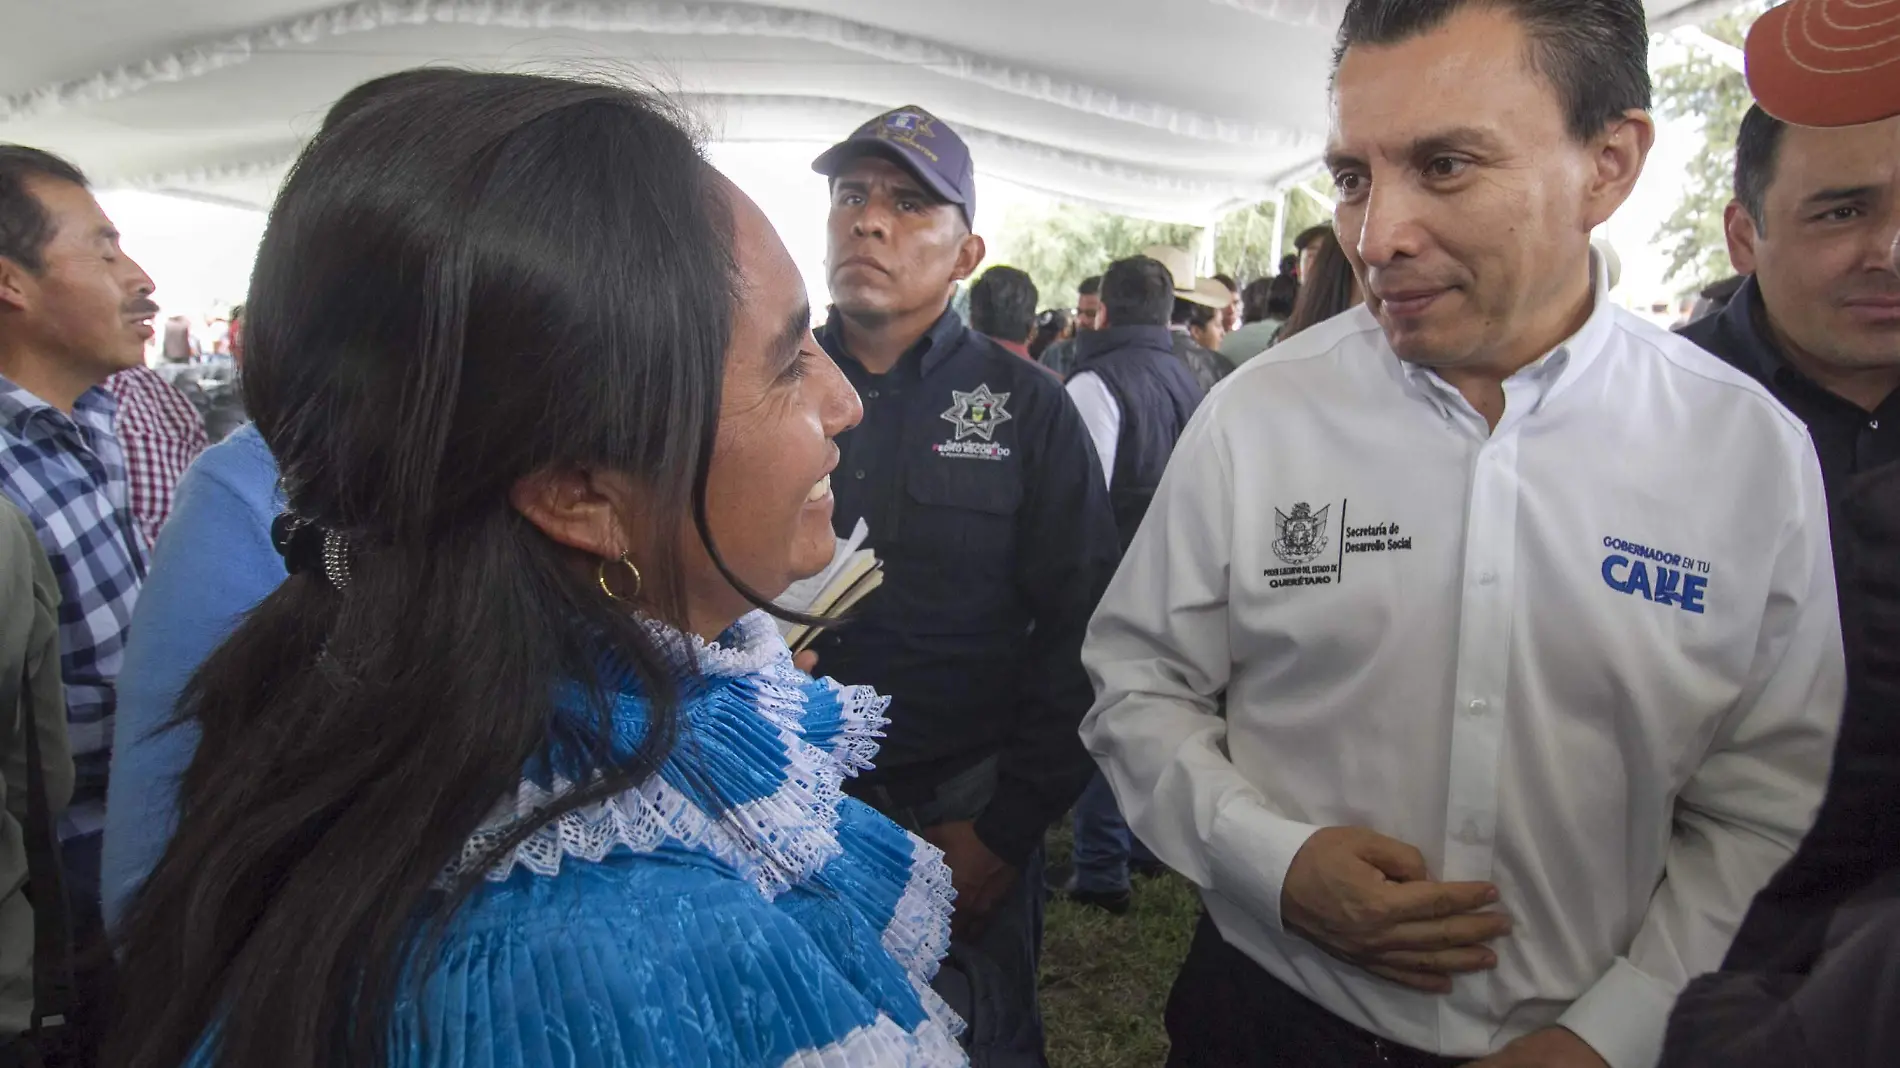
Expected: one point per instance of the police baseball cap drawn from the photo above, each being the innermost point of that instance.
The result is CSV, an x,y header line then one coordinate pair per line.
x,y
917,141
1827,62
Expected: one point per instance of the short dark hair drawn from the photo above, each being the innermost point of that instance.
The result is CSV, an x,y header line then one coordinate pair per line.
x,y
1003,304
1282,293
1091,286
1310,235
1138,291
1253,300
1757,153
1594,52
25,226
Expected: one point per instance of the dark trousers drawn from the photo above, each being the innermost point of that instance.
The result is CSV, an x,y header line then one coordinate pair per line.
x,y
1225,1011
990,980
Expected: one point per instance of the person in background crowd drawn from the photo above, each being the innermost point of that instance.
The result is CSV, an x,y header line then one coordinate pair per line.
x,y
1230,315
1290,265
1003,309
1052,325
216,565
179,345
1264,305
1060,357
30,700
1192,298
583,811
1515,724
1307,246
1136,398
976,478
1204,327
1813,976
1329,288
161,433
74,310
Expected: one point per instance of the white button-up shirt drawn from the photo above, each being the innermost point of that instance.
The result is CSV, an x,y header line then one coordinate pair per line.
x,y
1591,655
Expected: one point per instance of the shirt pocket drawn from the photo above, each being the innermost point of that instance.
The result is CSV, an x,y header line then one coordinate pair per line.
x,y
961,532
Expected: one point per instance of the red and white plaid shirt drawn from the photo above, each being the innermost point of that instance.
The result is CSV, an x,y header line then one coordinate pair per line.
x,y
161,434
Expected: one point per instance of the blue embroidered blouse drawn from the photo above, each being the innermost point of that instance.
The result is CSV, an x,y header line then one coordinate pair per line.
x,y
735,910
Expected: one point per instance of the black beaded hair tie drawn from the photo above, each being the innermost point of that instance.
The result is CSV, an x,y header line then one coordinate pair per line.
x,y
309,549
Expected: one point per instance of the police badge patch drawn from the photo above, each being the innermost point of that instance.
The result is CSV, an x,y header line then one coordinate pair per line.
x,y
977,413
1302,535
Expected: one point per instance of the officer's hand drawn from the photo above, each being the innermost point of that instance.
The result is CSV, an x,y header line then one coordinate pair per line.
x,y
1553,1047
806,661
981,878
1368,900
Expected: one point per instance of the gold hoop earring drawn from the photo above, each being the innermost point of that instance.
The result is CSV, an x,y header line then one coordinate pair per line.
x,y
600,576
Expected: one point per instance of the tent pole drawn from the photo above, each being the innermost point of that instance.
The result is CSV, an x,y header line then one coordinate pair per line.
x,y
1279,228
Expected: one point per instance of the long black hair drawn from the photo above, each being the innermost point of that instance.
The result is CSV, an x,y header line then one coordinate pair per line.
x,y
468,278
1330,289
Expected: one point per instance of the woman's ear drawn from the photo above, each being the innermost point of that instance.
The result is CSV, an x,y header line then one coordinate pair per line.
x,y
578,508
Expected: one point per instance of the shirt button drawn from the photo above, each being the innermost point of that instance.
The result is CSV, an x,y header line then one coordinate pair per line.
x,y
1472,834
870,394
859,476
1488,578
1478,706
1873,424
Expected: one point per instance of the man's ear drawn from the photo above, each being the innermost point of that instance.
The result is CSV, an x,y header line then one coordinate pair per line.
x,y
18,286
578,508
1621,151
969,257
1742,232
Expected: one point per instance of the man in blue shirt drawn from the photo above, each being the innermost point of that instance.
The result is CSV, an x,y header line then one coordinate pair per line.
x,y
74,309
986,503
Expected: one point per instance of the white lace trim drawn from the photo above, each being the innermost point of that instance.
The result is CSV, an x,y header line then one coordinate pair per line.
x,y
883,1044
918,934
775,841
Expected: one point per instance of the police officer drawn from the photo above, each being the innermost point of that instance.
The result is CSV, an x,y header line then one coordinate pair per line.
x,y
985,501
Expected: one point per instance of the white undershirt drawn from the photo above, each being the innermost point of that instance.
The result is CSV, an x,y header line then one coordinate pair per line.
x,y
1101,414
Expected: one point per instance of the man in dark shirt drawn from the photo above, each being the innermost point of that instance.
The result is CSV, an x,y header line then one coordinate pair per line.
x,y
1818,319
986,504
1003,309
1813,976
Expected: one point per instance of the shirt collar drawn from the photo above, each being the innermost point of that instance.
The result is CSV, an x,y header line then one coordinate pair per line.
x,y
94,409
1543,378
1751,331
943,338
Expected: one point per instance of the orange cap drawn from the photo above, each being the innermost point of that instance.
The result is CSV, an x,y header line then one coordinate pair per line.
x,y
1827,62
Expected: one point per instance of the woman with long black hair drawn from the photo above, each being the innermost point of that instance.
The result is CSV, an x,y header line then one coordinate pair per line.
x,y
512,770
1330,288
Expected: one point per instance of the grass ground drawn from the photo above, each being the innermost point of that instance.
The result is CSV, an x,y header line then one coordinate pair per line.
x,y
1105,978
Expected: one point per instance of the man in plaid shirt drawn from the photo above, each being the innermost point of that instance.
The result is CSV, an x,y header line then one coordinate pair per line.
x,y
161,434
74,309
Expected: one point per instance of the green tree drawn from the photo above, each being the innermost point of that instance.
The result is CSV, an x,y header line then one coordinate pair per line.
x,y
1243,241
1703,87
1061,244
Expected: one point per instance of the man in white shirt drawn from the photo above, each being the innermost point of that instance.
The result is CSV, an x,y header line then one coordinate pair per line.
x,y
1523,609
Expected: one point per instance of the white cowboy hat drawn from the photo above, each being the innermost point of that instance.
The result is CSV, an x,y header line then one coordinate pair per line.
x,y
1180,263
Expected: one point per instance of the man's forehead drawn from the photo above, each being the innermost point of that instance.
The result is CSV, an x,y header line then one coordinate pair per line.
x,y
1476,65
1841,156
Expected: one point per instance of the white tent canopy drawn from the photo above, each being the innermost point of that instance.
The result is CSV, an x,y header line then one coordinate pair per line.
x,y
1174,109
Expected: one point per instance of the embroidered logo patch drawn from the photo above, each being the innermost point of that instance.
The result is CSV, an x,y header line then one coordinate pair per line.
x,y
1301,537
977,413
1659,577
